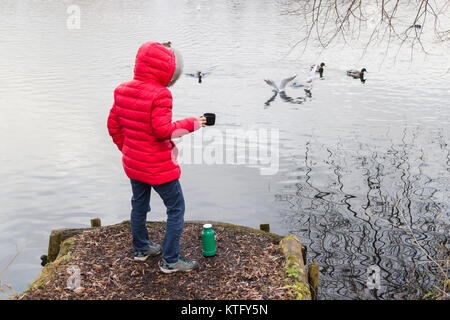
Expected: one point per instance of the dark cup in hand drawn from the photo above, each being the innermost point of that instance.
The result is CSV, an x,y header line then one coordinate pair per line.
x,y
210,118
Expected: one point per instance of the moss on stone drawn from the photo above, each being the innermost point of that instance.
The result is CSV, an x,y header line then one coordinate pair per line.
x,y
52,268
65,246
294,269
54,243
48,272
298,289
291,237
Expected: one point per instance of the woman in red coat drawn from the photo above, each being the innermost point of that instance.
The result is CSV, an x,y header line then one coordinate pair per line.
x,y
140,124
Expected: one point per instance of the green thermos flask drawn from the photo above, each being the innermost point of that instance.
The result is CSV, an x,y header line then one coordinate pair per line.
x,y
209,245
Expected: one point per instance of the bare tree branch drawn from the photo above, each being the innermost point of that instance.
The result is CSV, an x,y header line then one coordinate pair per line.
x,y
326,21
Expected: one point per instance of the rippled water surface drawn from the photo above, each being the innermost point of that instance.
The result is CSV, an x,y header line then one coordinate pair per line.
x,y
364,169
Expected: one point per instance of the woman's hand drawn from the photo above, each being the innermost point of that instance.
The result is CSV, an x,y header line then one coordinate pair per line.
x,y
201,121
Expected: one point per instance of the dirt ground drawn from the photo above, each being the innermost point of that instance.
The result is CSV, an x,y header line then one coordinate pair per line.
x,y
247,265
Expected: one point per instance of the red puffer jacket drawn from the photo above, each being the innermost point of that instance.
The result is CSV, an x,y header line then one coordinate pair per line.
x,y
140,120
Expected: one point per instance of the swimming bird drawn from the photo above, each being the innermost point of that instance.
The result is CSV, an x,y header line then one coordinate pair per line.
x,y
318,68
355,74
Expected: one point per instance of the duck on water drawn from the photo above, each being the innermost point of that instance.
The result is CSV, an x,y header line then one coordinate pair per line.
x,y
355,74
318,68
315,68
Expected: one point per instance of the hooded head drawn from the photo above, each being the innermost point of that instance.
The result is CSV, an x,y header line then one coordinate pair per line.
x,y
178,67
156,62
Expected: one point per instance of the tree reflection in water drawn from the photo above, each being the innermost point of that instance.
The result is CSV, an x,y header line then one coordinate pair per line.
x,y
397,222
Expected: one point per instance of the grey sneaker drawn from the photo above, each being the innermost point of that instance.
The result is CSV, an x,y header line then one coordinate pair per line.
x,y
153,250
182,265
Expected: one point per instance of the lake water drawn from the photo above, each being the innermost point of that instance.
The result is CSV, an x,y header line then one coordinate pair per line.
x,y
359,164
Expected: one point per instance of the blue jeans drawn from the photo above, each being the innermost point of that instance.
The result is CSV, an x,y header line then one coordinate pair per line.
x,y
172,196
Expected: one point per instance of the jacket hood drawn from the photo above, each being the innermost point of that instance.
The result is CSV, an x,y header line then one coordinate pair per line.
x,y
154,62
179,64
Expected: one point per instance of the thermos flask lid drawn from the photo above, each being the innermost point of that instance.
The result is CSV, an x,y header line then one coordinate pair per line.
x,y
207,226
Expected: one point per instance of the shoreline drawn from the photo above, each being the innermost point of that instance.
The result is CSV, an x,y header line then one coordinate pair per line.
x,y
261,263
